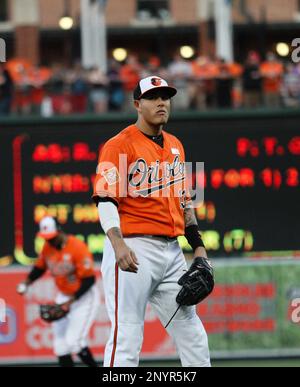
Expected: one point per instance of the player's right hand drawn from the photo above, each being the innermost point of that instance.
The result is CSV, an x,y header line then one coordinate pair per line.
x,y
22,288
126,258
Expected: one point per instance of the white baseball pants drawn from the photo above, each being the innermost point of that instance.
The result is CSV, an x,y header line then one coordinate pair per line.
x,y
71,332
161,263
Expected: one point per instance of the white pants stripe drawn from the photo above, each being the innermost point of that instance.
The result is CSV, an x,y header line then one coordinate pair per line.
x,y
161,263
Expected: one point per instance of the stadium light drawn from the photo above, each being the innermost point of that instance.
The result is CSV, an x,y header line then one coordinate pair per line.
x,y
282,49
119,54
187,52
66,21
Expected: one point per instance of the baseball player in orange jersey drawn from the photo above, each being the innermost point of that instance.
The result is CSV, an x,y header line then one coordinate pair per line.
x,y
143,207
71,264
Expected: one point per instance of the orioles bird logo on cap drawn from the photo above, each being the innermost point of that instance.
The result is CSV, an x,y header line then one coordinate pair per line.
x,y
156,81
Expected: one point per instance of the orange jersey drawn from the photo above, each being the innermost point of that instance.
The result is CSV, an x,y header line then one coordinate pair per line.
x,y
272,73
146,180
129,76
69,265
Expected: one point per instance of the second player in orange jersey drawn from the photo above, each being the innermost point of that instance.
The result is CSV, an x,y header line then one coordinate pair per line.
x,y
72,267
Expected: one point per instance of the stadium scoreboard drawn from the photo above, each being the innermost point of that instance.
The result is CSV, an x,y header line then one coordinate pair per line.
x,y
251,182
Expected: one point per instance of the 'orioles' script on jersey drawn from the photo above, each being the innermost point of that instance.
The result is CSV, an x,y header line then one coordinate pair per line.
x,y
145,180
68,265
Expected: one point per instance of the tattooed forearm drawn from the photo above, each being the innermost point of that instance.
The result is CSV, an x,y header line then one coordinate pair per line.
x,y
115,236
189,217
114,233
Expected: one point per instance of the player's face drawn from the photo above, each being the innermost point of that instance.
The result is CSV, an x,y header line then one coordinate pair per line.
x,y
155,107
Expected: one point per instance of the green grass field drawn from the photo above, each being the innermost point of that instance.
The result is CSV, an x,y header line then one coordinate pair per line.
x,y
258,363
235,363
293,362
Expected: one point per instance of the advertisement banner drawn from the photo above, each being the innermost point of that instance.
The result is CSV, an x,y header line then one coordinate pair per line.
x,y
24,337
253,310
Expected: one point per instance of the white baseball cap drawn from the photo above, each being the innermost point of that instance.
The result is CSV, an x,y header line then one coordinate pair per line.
x,y
151,83
48,228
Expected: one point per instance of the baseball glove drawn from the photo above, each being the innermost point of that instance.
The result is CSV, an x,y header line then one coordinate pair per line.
x,y
52,312
197,283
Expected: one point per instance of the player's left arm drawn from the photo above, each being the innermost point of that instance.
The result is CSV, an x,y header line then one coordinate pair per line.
x,y
192,232
84,270
86,284
84,264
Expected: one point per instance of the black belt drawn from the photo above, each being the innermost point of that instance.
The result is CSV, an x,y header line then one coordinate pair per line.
x,y
165,237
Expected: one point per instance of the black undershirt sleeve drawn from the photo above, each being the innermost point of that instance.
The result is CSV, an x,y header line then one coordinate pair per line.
x,y
35,274
98,199
193,236
86,284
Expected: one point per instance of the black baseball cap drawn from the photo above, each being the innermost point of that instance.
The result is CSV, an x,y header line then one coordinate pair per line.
x,y
151,83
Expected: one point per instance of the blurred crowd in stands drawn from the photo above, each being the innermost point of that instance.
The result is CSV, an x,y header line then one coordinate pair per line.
x,y
202,84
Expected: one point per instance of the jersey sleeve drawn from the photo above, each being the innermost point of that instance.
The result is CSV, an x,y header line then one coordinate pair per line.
x,y
111,175
83,261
